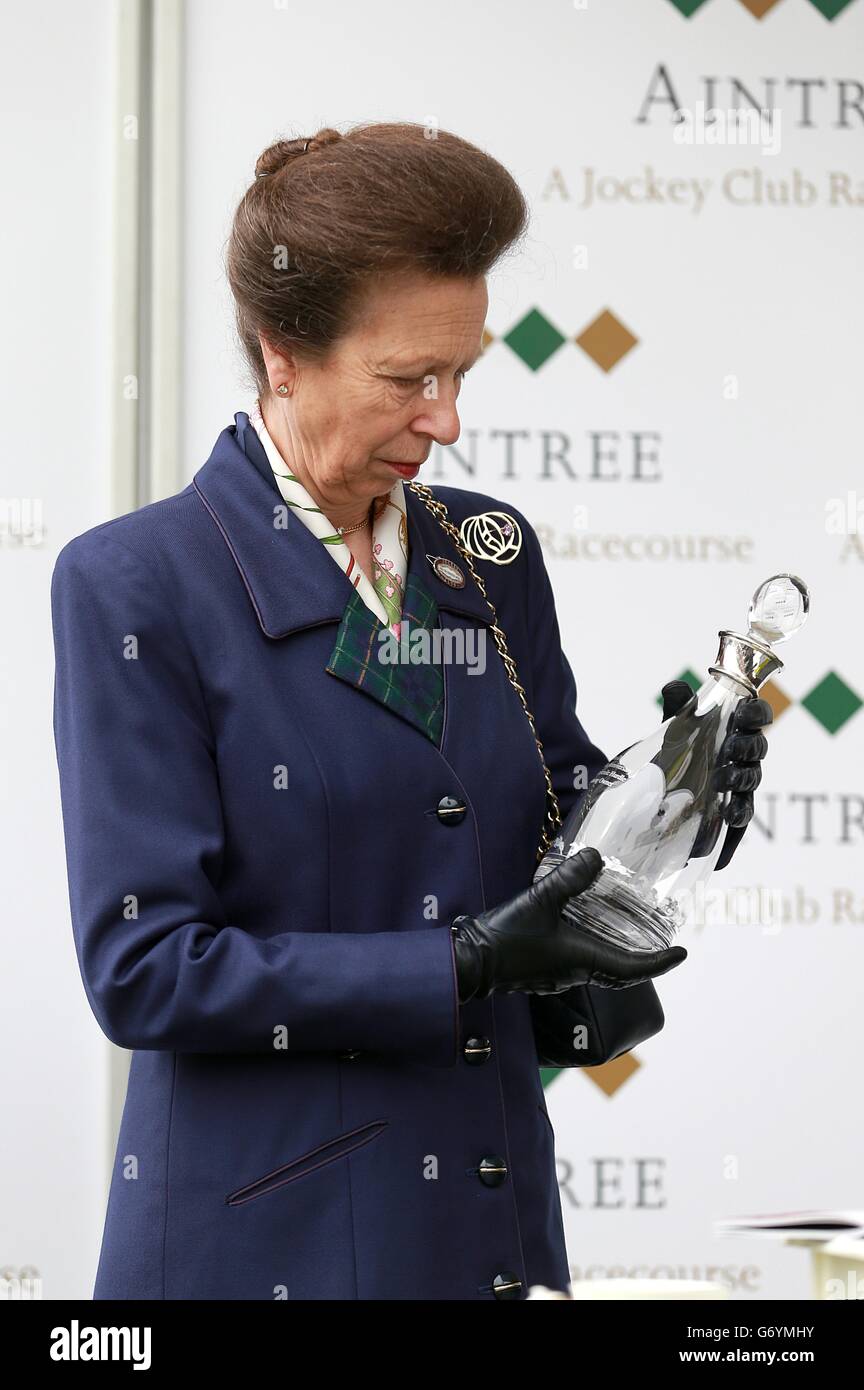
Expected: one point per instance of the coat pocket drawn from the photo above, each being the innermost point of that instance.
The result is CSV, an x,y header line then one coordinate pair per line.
x,y
308,1163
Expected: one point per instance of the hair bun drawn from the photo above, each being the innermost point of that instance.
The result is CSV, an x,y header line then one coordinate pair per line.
x,y
283,152
325,137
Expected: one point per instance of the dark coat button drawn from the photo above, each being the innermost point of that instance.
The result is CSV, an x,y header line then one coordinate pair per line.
x,y
350,1056
451,810
492,1171
477,1051
506,1285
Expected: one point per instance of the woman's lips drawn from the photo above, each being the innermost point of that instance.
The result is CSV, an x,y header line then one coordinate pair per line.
x,y
405,470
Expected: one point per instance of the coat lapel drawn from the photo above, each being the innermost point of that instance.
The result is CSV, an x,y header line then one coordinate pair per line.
x,y
384,668
293,583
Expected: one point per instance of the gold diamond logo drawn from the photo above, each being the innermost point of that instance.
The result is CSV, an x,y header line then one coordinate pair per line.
x,y
612,1075
606,340
776,698
759,8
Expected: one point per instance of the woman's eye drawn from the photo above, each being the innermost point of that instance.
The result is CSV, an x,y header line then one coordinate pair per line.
x,y
414,380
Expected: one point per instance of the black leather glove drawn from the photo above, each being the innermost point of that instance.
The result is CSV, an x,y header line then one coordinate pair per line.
x,y
525,945
738,761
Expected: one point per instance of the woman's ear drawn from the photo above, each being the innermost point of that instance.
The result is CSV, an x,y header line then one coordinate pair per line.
x,y
280,367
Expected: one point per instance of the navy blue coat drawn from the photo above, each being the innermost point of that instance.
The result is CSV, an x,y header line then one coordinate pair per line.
x,y
262,874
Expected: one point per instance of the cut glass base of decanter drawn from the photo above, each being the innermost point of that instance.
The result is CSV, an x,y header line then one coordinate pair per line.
x,y
615,909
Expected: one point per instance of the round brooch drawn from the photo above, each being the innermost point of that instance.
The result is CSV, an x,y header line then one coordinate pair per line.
x,y
492,536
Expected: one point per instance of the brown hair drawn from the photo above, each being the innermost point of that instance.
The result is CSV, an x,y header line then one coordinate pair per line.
x,y
328,215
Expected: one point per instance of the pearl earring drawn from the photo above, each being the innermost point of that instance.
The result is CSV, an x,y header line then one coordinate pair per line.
x,y
282,390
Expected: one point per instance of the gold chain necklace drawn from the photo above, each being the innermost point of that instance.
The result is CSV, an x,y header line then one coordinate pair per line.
x,y
346,530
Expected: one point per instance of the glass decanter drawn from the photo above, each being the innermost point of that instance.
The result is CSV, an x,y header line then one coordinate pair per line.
x,y
653,812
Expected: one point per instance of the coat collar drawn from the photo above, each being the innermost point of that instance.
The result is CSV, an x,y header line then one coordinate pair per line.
x,y
291,580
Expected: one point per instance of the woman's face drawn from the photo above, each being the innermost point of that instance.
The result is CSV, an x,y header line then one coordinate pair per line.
x,y
385,392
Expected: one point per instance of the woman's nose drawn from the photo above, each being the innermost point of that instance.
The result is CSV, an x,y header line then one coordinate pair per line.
x,y
440,418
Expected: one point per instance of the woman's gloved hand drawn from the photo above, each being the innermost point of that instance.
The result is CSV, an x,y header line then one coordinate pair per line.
x,y
525,944
738,760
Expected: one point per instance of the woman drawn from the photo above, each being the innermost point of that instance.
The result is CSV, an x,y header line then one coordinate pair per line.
x,y
271,825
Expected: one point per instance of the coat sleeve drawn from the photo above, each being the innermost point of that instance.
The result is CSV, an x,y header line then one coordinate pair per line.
x,y
144,839
612,1020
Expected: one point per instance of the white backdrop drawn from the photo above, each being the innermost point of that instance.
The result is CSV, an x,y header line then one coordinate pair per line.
x,y
744,391
725,431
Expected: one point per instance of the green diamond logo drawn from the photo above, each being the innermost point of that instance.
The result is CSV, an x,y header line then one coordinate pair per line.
x,y
832,702
830,8
688,7
534,339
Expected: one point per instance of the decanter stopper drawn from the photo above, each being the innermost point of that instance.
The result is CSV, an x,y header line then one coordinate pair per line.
x,y
778,609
